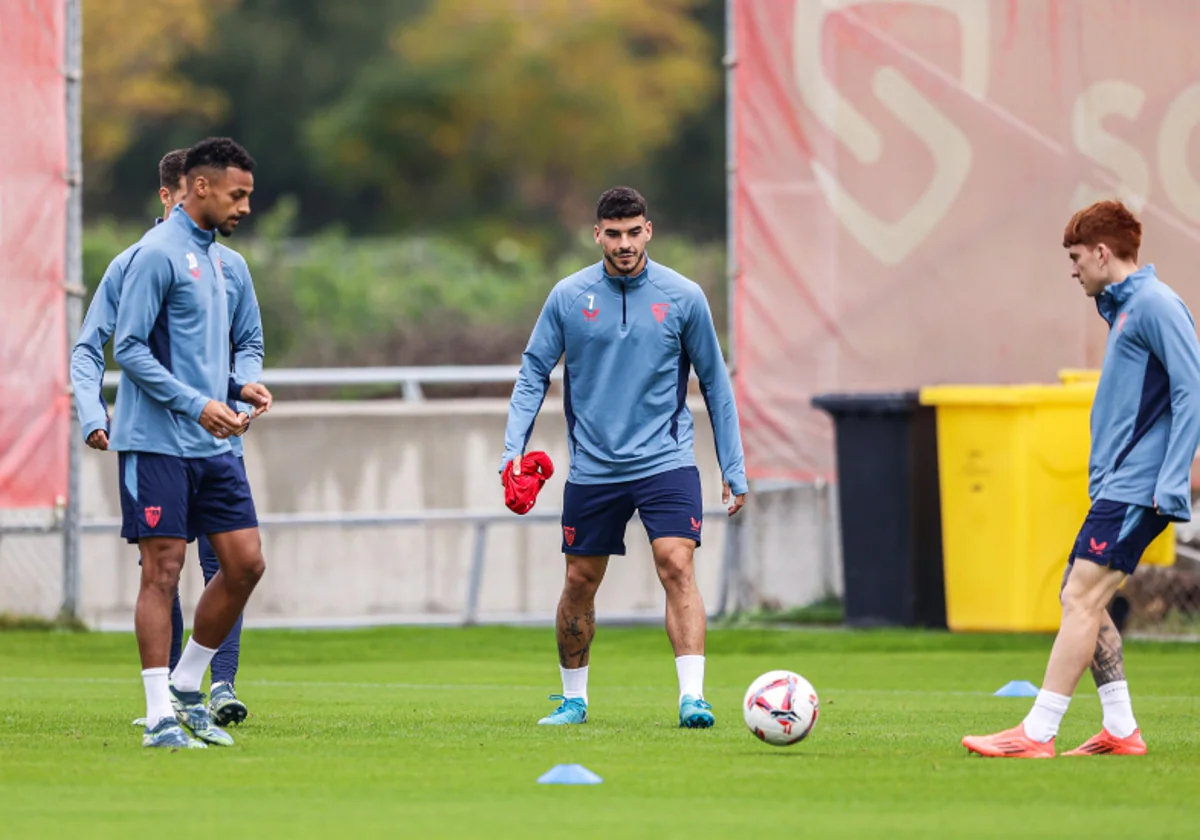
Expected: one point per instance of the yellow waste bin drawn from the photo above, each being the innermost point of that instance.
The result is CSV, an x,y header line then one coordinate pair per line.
x,y
1161,552
1013,469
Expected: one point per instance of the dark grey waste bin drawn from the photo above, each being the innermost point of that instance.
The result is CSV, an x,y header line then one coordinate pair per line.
x,y
890,509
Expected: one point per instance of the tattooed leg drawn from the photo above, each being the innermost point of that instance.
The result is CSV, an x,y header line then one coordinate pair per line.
x,y
1090,588
576,620
1108,662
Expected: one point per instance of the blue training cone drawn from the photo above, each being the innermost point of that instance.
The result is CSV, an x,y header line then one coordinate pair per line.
x,y
569,774
1018,688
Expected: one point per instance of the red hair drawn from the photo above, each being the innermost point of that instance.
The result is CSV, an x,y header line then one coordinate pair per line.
x,y
1107,222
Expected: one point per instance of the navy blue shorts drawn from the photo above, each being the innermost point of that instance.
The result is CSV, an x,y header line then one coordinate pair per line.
x,y
1116,534
168,496
595,515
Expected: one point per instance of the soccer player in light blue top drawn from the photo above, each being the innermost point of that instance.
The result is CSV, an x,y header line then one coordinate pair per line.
x,y
1145,431
630,331
87,370
171,426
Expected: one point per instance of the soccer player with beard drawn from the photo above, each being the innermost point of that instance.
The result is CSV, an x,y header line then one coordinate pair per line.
x,y
178,476
630,330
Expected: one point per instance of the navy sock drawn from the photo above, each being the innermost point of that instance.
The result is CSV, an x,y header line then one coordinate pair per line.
x,y
176,632
225,662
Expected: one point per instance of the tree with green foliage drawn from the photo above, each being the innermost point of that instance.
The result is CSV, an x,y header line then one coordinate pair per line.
x,y
523,109
276,63
130,52
476,120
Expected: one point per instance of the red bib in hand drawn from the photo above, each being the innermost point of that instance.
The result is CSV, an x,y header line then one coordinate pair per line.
x,y
521,491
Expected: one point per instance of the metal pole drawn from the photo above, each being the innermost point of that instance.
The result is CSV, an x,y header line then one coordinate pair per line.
x,y
475,578
737,578
727,555
731,264
73,72
732,567
412,391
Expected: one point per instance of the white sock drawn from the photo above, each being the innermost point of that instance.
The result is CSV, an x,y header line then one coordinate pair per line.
x,y
192,665
1118,709
574,682
158,696
691,675
1041,724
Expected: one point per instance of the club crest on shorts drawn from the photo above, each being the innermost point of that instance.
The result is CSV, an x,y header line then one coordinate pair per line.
x,y
153,515
569,534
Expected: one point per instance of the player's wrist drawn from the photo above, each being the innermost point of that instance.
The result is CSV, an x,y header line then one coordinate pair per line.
x,y
197,405
237,390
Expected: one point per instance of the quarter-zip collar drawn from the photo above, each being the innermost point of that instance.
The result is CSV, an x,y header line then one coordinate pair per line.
x,y
197,234
623,282
1111,300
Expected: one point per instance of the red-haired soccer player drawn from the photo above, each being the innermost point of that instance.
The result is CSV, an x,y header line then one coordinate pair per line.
x,y
1145,431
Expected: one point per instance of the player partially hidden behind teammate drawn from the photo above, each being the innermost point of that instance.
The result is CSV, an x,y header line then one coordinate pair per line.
x,y
87,370
630,330
178,477
1145,431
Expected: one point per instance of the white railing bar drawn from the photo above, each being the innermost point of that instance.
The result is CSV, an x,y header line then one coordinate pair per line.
x,y
378,519
430,375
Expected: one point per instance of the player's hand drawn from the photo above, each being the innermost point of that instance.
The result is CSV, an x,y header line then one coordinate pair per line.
x,y
738,501
257,395
516,462
219,419
98,439
244,419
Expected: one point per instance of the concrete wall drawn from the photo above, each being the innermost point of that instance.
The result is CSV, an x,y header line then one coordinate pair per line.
x,y
396,456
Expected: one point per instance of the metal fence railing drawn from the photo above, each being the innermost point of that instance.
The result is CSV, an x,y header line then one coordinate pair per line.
x,y
480,521
47,553
1163,601
409,379
31,562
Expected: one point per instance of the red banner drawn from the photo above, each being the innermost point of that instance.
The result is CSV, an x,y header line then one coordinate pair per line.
x,y
905,172
34,406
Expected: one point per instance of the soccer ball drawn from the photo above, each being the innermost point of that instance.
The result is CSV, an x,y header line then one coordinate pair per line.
x,y
780,708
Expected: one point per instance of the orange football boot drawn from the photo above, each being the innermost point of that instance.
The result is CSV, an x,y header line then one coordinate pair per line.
x,y
1011,743
1107,743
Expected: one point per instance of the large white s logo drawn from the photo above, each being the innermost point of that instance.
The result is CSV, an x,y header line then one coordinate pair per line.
x,y
891,242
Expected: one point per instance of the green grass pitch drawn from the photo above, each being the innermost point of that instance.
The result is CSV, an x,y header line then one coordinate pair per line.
x,y
405,732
